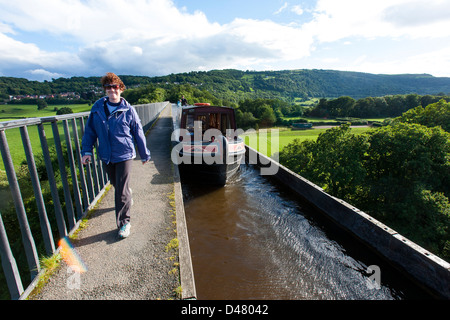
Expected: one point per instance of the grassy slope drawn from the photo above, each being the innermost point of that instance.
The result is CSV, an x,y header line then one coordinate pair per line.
x,y
29,111
266,141
13,112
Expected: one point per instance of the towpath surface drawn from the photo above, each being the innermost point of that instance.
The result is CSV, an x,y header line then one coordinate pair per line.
x,y
138,267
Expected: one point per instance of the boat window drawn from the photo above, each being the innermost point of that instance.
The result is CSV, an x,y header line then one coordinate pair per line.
x,y
203,119
225,123
190,122
214,121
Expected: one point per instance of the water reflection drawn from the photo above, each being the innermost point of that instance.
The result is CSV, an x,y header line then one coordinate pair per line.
x,y
253,240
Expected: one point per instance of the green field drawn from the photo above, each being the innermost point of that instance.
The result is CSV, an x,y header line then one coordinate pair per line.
x,y
15,112
18,111
268,142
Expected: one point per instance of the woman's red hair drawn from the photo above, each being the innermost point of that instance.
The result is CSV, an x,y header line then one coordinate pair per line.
x,y
111,78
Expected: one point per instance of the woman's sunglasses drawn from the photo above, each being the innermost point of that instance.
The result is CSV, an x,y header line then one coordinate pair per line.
x,y
111,86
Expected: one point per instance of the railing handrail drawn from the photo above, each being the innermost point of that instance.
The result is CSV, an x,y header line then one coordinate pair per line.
x,y
10,124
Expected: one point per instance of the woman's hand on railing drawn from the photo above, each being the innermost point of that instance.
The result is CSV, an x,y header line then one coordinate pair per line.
x,y
86,159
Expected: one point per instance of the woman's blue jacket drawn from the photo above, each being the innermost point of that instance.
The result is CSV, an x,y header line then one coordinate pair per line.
x,y
116,133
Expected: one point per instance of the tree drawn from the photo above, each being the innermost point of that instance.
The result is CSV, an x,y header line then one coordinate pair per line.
x,y
334,161
408,155
400,174
41,104
396,104
408,175
381,106
341,107
435,114
267,118
426,100
279,116
412,101
245,120
65,110
365,108
429,221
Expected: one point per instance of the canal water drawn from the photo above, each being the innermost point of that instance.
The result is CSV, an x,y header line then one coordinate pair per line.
x,y
254,239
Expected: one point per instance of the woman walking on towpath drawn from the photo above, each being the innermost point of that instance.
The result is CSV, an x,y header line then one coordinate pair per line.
x,y
116,125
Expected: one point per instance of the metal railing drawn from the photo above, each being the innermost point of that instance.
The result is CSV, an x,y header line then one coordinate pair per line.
x,y
81,187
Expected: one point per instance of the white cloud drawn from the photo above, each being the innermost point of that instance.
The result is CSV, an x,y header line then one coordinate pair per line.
x,y
297,9
109,33
436,63
239,44
90,21
42,74
336,20
418,19
283,7
150,37
418,13
14,52
4,28
285,42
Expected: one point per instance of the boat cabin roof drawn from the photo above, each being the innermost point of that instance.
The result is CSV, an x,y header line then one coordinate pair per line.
x,y
209,109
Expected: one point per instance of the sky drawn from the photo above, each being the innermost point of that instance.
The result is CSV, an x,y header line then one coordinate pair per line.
x,y
45,39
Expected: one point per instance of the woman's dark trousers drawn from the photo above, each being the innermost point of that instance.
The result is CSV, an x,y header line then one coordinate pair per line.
x,y
119,175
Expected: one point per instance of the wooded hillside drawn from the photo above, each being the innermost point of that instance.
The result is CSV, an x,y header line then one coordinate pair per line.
x,y
236,85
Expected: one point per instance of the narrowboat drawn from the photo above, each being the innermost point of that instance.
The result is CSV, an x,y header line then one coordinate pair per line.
x,y
209,149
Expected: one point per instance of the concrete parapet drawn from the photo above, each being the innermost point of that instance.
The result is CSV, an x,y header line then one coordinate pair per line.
x,y
186,269
188,290
148,113
425,268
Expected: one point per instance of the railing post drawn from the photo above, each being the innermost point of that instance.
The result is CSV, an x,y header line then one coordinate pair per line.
x,y
95,172
80,165
73,170
43,219
51,179
27,237
9,264
90,183
62,171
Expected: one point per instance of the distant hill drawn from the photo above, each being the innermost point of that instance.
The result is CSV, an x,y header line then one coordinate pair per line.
x,y
287,85
313,83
